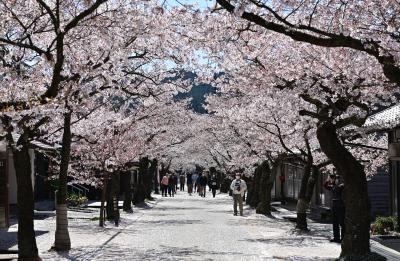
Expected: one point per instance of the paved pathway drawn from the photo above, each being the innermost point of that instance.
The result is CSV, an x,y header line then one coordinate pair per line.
x,y
186,228
193,228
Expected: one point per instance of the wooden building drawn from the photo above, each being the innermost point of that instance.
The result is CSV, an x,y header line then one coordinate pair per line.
x,y
293,170
388,122
4,206
8,181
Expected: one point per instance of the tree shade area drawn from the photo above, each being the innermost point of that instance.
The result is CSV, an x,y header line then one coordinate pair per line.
x,y
105,101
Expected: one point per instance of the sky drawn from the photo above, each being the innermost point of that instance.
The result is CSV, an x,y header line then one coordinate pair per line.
x,y
203,4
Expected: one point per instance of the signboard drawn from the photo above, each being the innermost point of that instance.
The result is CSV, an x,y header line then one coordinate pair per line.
x,y
3,194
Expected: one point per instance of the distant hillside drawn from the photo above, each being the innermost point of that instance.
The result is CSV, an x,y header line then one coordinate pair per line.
x,y
197,93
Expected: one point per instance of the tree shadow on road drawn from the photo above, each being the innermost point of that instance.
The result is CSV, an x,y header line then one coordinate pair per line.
x,y
170,222
302,258
289,241
178,208
10,239
117,252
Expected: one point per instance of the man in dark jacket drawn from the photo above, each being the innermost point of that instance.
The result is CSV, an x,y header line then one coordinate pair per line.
x,y
202,182
189,180
171,185
175,178
335,185
182,182
213,185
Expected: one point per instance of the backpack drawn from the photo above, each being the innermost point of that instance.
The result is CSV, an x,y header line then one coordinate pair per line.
x,y
238,185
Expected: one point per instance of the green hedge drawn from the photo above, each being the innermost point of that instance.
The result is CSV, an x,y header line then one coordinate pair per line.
x,y
385,225
74,200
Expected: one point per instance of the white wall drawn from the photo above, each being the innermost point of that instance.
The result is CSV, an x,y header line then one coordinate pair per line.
x,y
12,180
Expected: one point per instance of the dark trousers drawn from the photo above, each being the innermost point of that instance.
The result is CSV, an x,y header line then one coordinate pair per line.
x,y
237,199
214,191
338,213
171,190
202,191
182,186
164,189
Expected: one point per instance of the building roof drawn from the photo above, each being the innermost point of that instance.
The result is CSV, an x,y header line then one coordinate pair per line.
x,y
387,118
36,144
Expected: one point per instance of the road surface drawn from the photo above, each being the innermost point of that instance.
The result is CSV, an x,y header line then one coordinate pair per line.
x,y
193,228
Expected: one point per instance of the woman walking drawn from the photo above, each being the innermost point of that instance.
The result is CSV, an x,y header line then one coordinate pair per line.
x,y
164,185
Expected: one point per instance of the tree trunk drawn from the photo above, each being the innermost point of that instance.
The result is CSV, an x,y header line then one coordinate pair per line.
x,y
264,205
103,199
148,177
27,248
302,203
253,195
109,199
274,172
62,240
250,185
126,183
357,218
154,173
139,195
112,196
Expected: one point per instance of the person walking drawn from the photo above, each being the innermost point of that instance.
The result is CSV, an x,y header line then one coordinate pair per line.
x,y
203,184
213,185
238,187
175,180
198,184
171,186
189,180
182,182
194,179
164,185
336,186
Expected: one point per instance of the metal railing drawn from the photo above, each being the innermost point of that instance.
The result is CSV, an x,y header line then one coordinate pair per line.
x,y
78,188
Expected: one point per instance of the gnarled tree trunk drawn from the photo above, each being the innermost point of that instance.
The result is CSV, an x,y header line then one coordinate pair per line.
x,y
305,194
253,196
154,173
62,240
112,196
264,205
148,177
126,183
109,199
27,248
139,195
357,219
103,198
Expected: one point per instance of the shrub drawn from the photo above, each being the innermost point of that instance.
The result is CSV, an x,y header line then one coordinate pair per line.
x,y
384,225
75,200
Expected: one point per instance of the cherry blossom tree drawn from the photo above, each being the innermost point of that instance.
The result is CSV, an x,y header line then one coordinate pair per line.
x,y
34,36
55,55
337,88
370,27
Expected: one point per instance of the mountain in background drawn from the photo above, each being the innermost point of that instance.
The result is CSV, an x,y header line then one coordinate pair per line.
x,y
197,93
